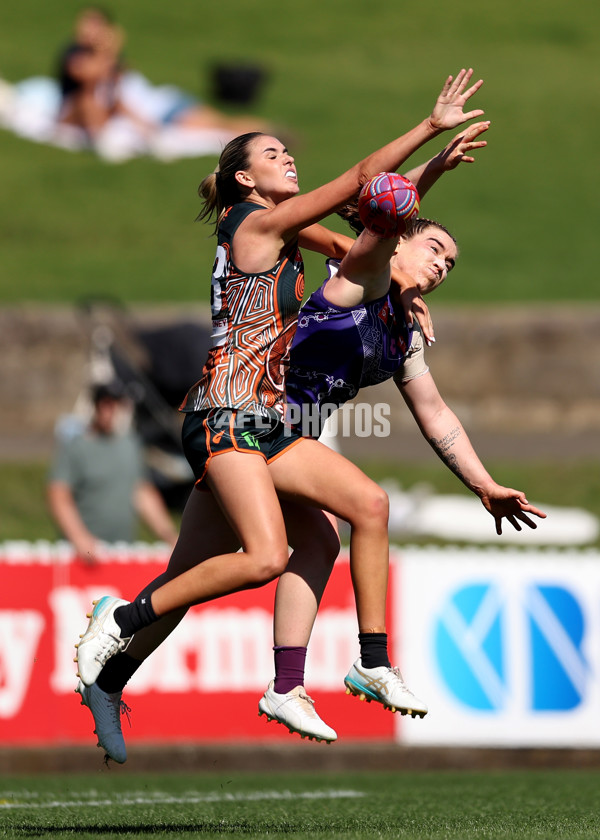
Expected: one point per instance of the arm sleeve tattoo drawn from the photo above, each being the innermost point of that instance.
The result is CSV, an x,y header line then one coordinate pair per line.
x,y
443,447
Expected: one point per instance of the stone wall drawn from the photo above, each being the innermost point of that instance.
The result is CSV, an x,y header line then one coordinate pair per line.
x,y
518,377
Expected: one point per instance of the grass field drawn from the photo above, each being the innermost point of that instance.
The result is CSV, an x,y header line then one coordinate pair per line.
x,y
25,515
344,77
516,805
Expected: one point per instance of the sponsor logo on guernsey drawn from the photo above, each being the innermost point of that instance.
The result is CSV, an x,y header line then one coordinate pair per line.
x,y
385,313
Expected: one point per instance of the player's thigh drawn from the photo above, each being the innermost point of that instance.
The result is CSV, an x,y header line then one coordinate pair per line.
x,y
313,473
242,486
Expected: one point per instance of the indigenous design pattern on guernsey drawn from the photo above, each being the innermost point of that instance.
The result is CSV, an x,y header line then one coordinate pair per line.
x,y
254,322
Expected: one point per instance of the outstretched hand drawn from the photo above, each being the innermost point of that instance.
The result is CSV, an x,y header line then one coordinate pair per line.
x,y
448,110
506,503
458,149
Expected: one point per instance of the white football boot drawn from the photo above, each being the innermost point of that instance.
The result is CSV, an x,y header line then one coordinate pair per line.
x,y
101,640
107,710
296,711
385,686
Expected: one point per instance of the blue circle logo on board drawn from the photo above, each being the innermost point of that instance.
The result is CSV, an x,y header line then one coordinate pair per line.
x,y
472,652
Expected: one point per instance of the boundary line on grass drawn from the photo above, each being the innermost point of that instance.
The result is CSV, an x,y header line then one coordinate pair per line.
x,y
160,798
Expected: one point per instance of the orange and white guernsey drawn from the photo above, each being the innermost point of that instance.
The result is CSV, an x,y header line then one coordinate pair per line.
x,y
254,322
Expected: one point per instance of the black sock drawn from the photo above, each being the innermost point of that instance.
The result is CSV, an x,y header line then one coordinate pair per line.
x,y
373,650
132,617
117,672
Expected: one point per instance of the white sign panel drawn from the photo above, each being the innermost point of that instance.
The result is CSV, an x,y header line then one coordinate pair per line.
x,y
504,646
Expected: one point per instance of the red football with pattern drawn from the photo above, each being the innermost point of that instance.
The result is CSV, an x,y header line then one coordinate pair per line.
x,y
387,203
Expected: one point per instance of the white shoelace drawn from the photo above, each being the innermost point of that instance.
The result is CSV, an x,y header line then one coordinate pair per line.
x,y
304,696
396,672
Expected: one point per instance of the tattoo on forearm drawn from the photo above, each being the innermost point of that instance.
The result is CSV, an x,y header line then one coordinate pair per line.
x,y
442,447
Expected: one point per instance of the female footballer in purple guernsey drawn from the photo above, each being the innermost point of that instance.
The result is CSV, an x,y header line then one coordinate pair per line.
x,y
352,334
235,438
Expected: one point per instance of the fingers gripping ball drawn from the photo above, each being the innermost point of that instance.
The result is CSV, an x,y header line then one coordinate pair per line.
x,y
387,203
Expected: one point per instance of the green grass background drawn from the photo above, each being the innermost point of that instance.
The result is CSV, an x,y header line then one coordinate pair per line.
x,y
345,76
566,484
416,806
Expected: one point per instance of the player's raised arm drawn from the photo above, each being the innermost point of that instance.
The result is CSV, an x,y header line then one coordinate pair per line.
x,y
321,240
458,150
288,217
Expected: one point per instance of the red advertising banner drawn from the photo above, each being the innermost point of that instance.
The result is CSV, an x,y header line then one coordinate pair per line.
x,y
202,684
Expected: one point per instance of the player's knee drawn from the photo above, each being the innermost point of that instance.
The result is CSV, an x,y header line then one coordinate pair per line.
x,y
271,563
374,509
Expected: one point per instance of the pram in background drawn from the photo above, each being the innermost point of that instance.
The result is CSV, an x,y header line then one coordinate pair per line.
x,y
156,363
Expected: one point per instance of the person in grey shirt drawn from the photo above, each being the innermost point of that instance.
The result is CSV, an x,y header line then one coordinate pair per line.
x,y
97,487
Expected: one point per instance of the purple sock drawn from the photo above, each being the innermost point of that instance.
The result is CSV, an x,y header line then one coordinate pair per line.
x,y
289,668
